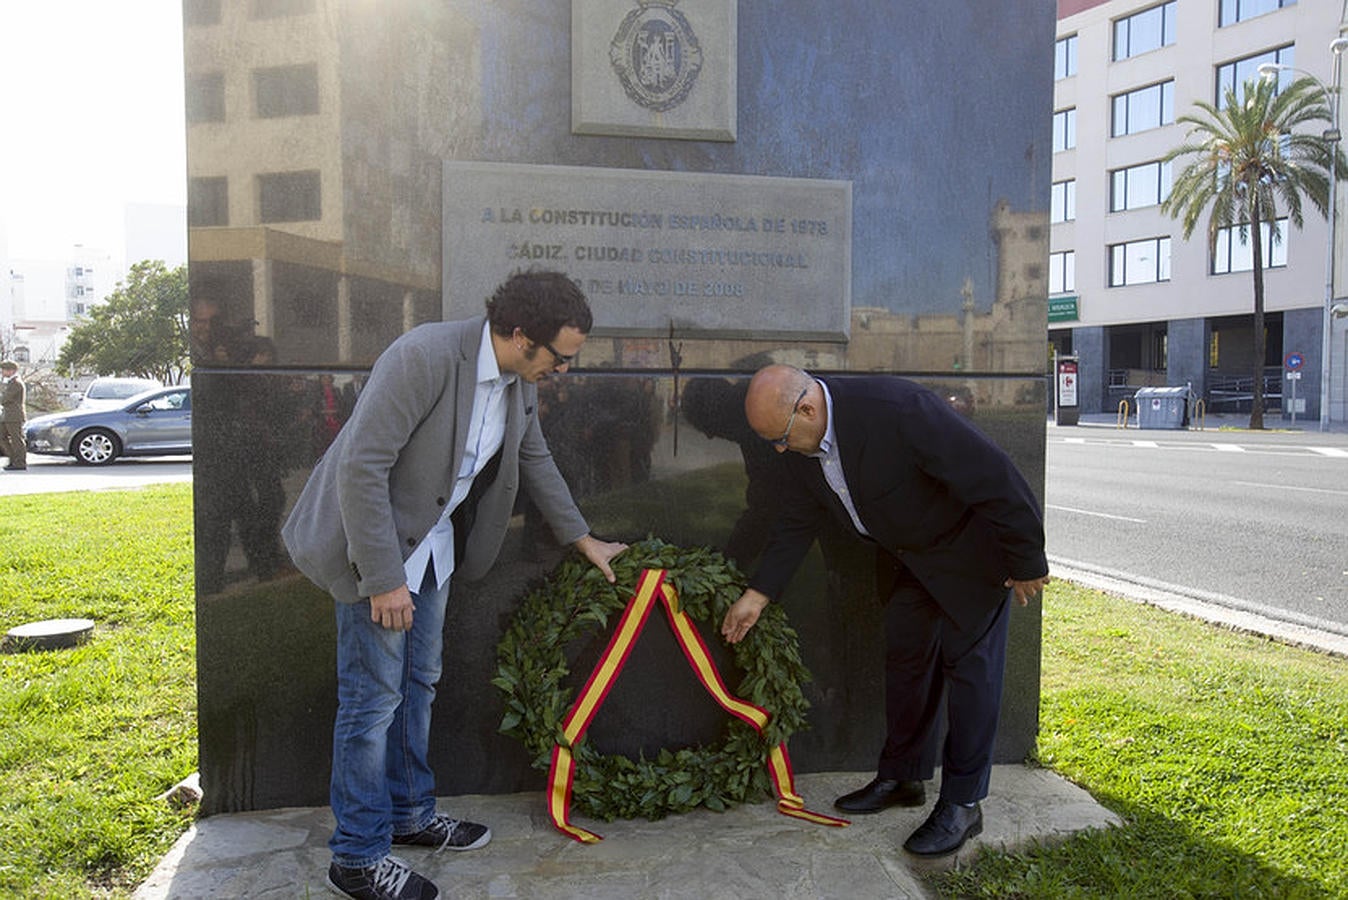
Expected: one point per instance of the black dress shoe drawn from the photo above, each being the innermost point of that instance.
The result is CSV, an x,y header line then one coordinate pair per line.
x,y
946,829
882,794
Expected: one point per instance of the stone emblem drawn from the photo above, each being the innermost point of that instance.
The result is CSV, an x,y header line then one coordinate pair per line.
x,y
656,55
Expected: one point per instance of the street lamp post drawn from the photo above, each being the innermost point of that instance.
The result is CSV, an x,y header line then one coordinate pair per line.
x,y
1332,136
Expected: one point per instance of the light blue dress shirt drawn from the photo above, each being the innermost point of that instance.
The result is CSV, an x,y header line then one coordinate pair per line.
x,y
486,432
832,464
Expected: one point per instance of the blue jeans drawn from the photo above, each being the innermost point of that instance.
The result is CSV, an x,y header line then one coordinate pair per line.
x,y
381,782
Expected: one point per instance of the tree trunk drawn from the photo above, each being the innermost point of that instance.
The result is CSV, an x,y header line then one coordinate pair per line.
x,y
1260,348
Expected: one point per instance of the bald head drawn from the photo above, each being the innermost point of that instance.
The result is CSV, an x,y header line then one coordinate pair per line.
x,y
784,400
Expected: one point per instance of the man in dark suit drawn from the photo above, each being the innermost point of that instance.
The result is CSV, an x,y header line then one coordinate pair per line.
x,y
419,485
13,415
959,534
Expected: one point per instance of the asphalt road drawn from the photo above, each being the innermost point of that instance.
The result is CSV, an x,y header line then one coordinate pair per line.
x,y
1251,521
49,474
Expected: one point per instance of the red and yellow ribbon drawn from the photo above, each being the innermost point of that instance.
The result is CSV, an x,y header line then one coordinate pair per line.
x,y
561,776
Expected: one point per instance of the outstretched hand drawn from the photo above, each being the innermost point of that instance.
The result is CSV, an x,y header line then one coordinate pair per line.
x,y
742,615
600,553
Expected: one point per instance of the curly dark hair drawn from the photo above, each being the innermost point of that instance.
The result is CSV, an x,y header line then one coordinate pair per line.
x,y
540,304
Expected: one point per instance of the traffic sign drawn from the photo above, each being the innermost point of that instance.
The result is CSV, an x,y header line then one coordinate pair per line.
x,y
1293,361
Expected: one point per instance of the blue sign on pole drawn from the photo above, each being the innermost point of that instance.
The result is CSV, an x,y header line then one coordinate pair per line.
x,y
1293,361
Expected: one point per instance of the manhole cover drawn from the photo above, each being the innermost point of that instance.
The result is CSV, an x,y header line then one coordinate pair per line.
x,y
53,634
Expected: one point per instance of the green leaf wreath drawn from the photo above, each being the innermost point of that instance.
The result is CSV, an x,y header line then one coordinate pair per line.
x,y
576,600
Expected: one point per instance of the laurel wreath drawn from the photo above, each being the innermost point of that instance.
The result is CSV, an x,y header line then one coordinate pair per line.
x,y
575,600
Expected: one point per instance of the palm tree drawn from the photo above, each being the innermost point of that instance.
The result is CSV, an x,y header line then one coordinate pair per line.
x,y
1248,161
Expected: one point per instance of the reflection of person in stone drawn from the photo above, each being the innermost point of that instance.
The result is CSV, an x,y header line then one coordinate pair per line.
x,y
959,532
419,485
715,407
13,396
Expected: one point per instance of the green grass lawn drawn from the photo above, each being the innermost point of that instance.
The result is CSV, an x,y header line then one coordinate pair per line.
x,y
1226,755
89,736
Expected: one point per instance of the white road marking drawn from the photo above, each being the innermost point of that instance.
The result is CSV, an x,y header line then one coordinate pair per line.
x,y
1087,512
1288,487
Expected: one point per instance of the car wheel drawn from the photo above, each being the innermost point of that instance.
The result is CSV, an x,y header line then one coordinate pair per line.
x,y
96,447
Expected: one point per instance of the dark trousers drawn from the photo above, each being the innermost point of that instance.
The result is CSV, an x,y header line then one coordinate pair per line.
x,y
11,444
927,654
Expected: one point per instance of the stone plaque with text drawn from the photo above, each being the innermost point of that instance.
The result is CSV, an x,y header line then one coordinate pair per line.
x,y
724,255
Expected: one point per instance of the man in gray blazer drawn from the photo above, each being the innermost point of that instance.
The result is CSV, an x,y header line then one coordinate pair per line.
x,y
420,484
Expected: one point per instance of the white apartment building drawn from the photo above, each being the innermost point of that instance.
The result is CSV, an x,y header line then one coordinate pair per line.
x,y
1136,302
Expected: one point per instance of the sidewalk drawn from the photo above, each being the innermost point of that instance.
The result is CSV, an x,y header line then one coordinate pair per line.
x,y
744,853
1274,424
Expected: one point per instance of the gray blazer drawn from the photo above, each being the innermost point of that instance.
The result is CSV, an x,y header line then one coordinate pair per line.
x,y
385,479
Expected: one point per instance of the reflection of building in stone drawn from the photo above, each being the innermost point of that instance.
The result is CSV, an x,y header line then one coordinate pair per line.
x,y
1007,336
314,177
315,186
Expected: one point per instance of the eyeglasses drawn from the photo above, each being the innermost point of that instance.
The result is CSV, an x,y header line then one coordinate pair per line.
x,y
795,408
559,359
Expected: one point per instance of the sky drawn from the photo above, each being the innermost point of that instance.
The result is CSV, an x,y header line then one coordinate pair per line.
x,y
91,97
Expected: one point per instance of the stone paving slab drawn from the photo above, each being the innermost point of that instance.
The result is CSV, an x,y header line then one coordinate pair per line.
x,y
746,852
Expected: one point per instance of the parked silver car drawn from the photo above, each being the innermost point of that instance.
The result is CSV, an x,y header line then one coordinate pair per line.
x,y
155,423
105,393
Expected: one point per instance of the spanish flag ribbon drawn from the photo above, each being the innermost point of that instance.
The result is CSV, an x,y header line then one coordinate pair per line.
x,y
651,585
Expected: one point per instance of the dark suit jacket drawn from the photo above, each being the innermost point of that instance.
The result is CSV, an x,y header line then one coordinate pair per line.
x,y
933,491
12,396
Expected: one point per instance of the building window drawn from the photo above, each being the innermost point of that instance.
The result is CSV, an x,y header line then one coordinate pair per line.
x,y
276,9
201,12
1145,31
207,202
1065,57
1143,109
290,197
1233,11
286,91
1233,75
1233,253
1064,129
1139,262
1062,271
1063,207
1146,184
205,97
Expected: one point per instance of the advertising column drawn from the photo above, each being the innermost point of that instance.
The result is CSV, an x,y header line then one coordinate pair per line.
x,y
1065,405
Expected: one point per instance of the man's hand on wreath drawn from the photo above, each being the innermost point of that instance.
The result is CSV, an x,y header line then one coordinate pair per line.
x,y
742,615
600,553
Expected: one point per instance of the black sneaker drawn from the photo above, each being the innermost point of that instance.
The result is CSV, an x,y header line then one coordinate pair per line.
x,y
445,833
391,879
